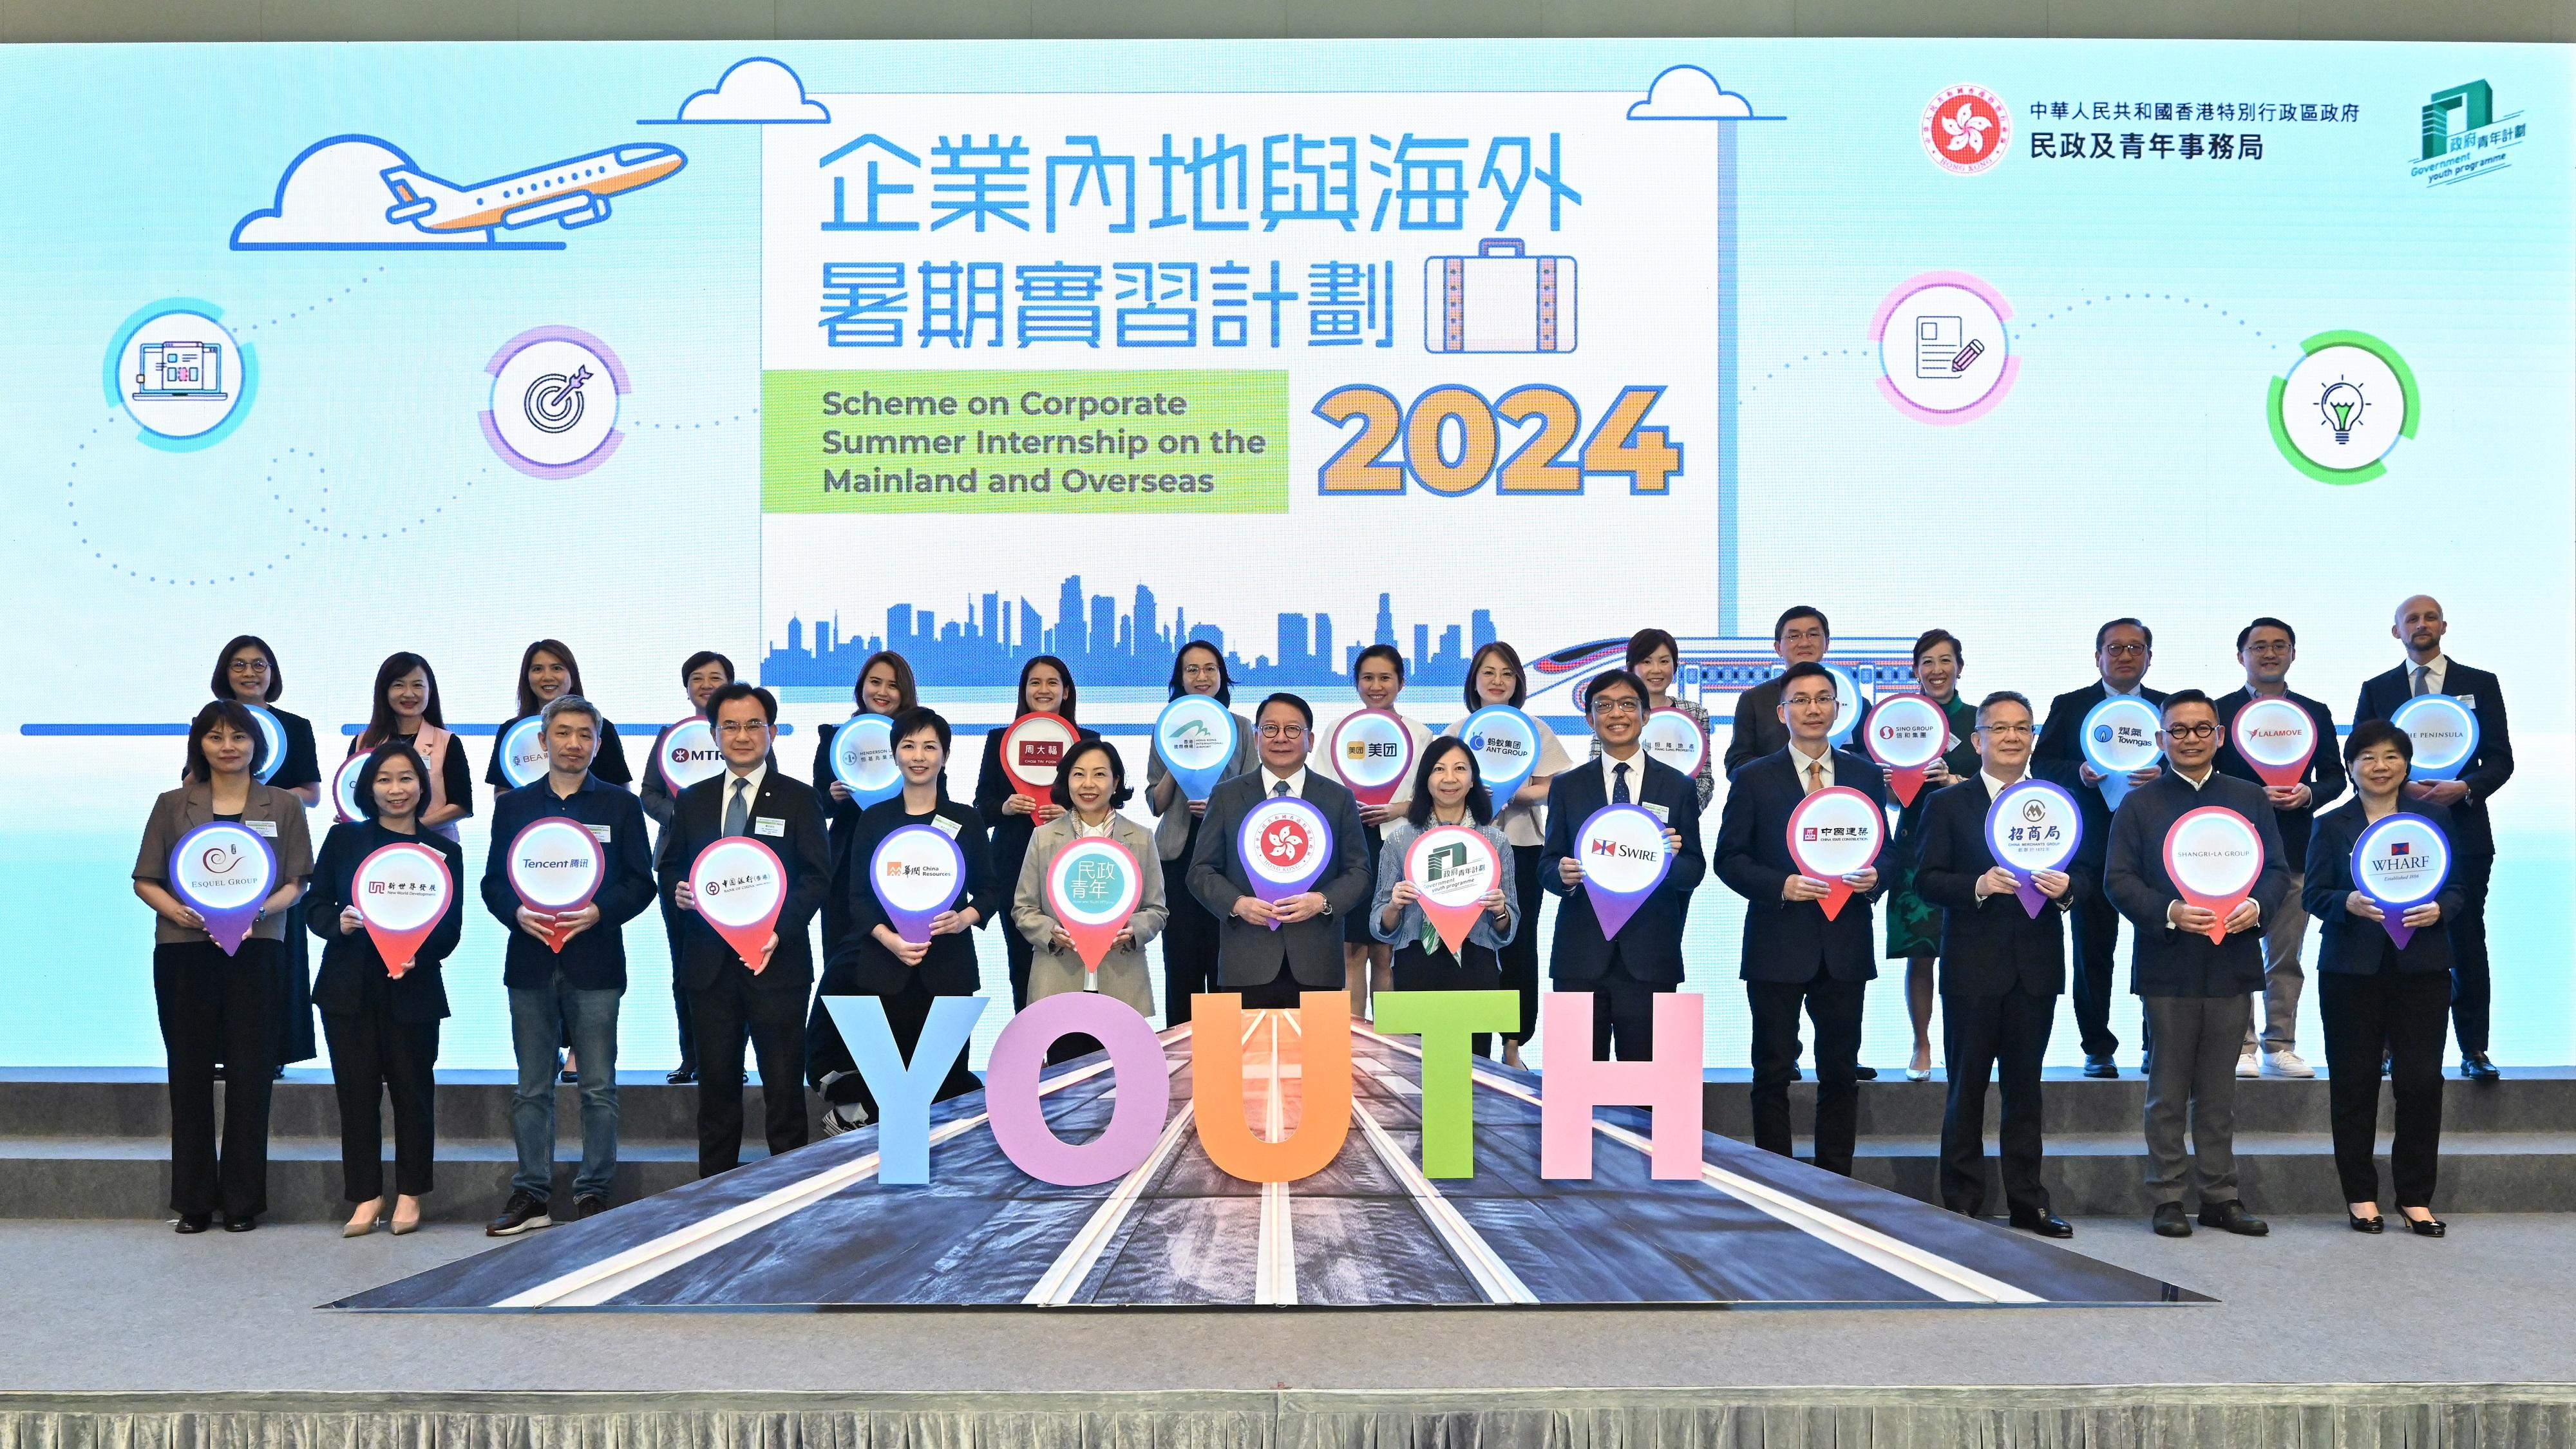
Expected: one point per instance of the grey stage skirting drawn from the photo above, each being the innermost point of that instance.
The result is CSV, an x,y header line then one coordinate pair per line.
x,y
2296,1416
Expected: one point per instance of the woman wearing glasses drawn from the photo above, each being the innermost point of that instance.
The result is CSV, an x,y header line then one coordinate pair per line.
x,y
1494,677
1189,932
246,672
1914,924
1447,790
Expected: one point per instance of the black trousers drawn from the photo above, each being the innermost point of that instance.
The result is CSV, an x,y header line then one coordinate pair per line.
x,y
1189,941
2003,1037
1016,948
1520,954
295,993
1283,992
2469,989
2401,1014
679,988
776,1022
1623,1017
1476,969
373,1057
2097,936
215,1007
907,1012
1834,1007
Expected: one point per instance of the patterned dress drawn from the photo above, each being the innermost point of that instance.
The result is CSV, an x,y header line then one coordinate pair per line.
x,y
1914,924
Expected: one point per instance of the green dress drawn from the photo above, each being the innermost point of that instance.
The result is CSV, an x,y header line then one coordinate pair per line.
x,y
1913,923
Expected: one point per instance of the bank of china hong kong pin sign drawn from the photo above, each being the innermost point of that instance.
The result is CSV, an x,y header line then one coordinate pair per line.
x,y
522,750
1285,844
344,789
1675,739
688,754
2213,856
1620,851
223,870
2034,825
272,741
2400,861
2119,737
1033,749
555,868
1091,889
863,759
1195,738
1835,832
1453,868
2277,738
1906,733
2444,733
1372,752
402,892
1505,744
917,872
739,885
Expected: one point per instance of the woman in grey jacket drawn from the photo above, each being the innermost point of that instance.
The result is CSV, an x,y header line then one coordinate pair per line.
x,y
1447,790
1090,785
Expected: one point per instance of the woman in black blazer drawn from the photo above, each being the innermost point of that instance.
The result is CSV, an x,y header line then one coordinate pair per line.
x,y
1046,687
383,1030
2376,997
247,673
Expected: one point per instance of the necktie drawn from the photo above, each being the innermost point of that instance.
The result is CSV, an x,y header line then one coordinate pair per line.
x,y
1619,786
1815,776
1279,789
2423,678
738,809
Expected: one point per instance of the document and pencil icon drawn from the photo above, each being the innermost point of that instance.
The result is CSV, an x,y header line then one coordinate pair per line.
x,y
1942,348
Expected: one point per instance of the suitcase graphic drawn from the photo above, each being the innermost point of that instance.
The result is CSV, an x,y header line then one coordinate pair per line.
x,y
1499,300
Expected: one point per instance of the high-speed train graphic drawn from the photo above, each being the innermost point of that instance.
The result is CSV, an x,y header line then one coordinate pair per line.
x,y
1713,671
571,192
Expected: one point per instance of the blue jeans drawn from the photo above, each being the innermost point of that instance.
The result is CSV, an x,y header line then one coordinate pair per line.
x,y
538,1021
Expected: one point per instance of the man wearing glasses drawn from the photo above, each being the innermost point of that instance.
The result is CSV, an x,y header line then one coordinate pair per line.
x,y
2197,994
2267,648
1273,967
2122,650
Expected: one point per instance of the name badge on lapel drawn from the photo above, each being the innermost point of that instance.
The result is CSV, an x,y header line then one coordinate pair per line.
x,y
768,825
601,833
2468,701
264,827
946,826
1663,813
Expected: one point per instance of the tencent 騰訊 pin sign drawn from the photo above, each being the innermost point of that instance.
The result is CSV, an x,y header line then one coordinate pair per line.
x,y
2400,861
2119,738
223,870
522,750
1621,852
1504,741
740,886
1284,844
1092,887
917,872
555,867
863,759
1451,870
2033,825
1906,733
1372,752
1195,738
2444,733
2213,856
1835,832
2276,737
402,891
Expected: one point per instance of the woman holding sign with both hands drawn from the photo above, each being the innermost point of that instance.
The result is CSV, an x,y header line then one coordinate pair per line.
x,y
1495,677
1447,790
1190,932
1367,963
1090,786
1046,687
246,672
383,1028
1913,923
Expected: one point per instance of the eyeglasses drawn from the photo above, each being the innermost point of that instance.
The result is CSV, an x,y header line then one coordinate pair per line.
x,y
2122,650
1621,704
248,666
1282,731
2191,731
2005,729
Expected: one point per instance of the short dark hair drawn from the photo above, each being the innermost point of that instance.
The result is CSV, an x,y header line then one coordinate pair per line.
x,y
701,660
1511,657
570,703
224,712
906,694
1298,701
2105,632
1794,613
2181,697
916,719
1119,794
1809,670
1930,639
1593,686
223,682
2266,622
377,759
1387,652
767,701
2377,732
1480,801
2004,696
1645,642
1063,671
1224,676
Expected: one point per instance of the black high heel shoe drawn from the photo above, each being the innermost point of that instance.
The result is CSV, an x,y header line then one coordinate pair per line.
x,y
195,1222
2426,1227
2362,1224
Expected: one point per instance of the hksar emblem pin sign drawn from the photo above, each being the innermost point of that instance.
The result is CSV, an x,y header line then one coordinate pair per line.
x,y
2444,733
917,872
1092,888
1195,739
272,742
2276,737
1284,844
688,754
2400,861
1372,752
1452,868
2033,825
522,750
2213,856
740,886
1033,750
1505,743
555,868
1835,832
344,790
402,891
863,759
1674,738
2119,738
223,870
1620,851
1906,733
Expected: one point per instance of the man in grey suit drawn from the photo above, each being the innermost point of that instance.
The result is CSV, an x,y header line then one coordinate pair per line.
x,y
1272,967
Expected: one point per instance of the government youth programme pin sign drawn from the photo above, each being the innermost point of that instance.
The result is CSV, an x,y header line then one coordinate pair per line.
x,y
1195,738
2213,856
1504,741
521,750
863,758
2276,737
402,891
2033,825
1835,832
2400,861
688,754
1673,737
1372,752
917,871
1620,851
555,867
2444,733
2119,738
1284,844
223,870
1906,733
740,885
1033,750
1092,888
1452,869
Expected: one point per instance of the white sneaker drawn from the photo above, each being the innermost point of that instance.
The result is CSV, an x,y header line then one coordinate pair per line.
x,y
2283,1064
2247,1066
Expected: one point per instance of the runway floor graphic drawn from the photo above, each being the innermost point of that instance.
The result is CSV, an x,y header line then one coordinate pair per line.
x,y
815,1228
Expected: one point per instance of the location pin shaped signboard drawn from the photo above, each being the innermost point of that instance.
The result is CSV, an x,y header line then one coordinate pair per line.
x,y
740,885
555,867
402,892
1620,851
1835,832
1452,868
224,870
2213,856
1092,887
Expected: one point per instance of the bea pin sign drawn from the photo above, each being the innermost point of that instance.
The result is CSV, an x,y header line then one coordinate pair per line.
x,y
2213,856
2034,825
1906,733
1833,833
402,892
224,870
740,885
522,750
1092,889
2400,862
1284,844
555,868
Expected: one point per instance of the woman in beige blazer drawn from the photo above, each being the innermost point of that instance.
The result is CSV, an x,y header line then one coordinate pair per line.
x,y
1090,785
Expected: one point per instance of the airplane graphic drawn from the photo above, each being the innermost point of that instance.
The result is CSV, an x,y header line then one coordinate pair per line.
x,y
572,193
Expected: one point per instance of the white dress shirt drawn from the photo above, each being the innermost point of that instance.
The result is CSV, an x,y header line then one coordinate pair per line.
x,y
1800,759
1271,780
2435,670
1636,763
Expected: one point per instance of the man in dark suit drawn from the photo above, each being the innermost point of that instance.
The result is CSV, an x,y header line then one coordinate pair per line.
x,y
1625,972
1793,955
2122,650
2002,970
1799,636
2267,648
2197,994
748,798
2427,670
1273,968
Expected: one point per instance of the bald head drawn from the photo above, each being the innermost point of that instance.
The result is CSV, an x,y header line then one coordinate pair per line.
x,y
2420,626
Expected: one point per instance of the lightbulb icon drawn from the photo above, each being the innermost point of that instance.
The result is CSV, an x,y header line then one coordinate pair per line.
x,y
2342,406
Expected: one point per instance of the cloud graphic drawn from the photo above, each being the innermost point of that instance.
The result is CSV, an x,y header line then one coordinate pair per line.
x,y
333,197
754,92
1688,93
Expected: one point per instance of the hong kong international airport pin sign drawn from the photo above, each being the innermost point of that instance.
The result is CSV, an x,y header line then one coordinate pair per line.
x,y
2400,861
2214,856
1621,852
739,885
1372,752
1906,733
402,891
1284,844
2033,825
1033,749
2119,737
2444,733
863,759
2276,737
1674,738
688,754
1452,868
1835,832
223,870
917,872
555,868
344,789
1092,888
272,741
522,750
1195,738
1505,743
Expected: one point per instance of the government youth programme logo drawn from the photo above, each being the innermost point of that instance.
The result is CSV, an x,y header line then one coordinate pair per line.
x,y
1966,130
2464,137
1094,885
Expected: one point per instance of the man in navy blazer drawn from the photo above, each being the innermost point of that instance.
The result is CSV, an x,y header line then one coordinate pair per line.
x,y
1793,955
1274,968
2197,994
2427,670
2122,650
1623,972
